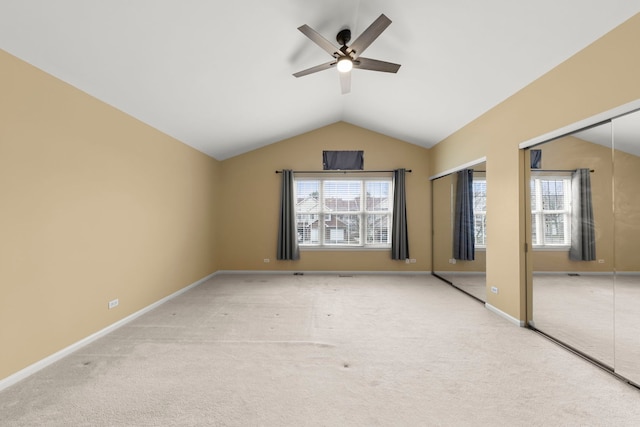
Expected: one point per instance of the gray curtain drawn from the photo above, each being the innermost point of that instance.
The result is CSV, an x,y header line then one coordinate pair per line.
x,y
583,236
399,234
287,233
463,234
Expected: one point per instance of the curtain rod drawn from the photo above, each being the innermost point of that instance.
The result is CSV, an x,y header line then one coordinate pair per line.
x,y
345,171
558,170
547,170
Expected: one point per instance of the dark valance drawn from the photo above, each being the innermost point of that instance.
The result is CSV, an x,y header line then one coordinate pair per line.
x,y
343,160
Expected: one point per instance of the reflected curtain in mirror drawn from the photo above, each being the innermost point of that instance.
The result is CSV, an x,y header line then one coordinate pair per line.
x,y
583,240
399,234
463,233
287,233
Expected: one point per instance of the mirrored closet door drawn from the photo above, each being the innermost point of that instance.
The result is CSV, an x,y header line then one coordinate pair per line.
x,y
585,240
626,190
459,229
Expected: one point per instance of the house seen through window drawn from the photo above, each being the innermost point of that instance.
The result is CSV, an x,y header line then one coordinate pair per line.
x,y
550,211
344,212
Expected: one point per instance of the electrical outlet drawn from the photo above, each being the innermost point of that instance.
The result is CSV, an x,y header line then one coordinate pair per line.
x,y
412,260
452,261
266,260
407,260
494,289
600,261
113,303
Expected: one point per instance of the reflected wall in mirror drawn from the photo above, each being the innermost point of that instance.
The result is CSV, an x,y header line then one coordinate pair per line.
x,y
572,240
592,304
459,230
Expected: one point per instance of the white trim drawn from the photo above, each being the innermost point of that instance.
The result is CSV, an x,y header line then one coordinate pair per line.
x,y
458,168
590,121
43,363
327,248
501,313
581,273
328,272
550,248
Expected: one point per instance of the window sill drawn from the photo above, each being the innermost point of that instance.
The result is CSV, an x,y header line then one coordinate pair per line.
x,y
343,248
551,248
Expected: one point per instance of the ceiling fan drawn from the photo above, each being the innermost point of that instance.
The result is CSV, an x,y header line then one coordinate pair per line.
x,y
347,57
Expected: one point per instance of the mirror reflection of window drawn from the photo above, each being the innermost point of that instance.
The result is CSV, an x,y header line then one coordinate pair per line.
x,y
468,275
571,236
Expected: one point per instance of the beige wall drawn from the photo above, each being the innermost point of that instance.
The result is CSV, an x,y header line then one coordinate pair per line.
x,y
626,175
95,206
252,191
599,78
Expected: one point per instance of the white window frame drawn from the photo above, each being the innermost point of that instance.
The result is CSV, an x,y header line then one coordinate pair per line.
x,y
537,216
538,213
363,212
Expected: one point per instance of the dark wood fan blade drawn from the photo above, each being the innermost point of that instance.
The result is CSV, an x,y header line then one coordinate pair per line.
x,y
345,82
369,35
375,65
315,69
319,40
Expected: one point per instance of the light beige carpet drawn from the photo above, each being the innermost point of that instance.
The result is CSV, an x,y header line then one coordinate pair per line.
x,y
267,350
474,284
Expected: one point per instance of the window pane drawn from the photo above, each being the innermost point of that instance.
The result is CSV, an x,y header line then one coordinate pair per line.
x,y
307,196
342,196
534,198
342,230
307,208
552,194
378,229
480,195
535,218
480,228
554,229
377,195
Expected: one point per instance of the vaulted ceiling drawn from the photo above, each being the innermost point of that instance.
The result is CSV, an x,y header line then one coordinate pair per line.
x,y
217,75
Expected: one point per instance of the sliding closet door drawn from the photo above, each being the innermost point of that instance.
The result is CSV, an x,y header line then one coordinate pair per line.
x,y
627,245
468,272
572,242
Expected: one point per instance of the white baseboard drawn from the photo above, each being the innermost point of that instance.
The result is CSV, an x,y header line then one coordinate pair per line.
x,y
459,273
566,273
41,364
328,272
501,313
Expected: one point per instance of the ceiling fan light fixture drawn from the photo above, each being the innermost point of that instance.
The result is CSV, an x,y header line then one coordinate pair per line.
x,y
344,64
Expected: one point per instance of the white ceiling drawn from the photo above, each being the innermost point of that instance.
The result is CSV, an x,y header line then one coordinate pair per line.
x,y
217,74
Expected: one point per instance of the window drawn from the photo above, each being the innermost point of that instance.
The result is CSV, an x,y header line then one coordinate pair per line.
x,y
551,211
480,211
347,221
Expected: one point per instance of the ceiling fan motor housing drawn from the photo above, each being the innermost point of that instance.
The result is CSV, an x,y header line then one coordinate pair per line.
x,y
344,36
